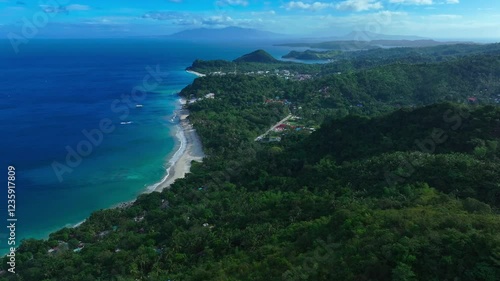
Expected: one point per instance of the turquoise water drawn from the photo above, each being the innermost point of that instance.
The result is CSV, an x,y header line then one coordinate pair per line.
x,y
54,89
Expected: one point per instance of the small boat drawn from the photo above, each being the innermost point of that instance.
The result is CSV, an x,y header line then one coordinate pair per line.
x,y
139,105
126,123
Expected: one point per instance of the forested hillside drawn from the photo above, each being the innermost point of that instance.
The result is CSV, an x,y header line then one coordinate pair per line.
x,y
371,91
399,181
423,54
348,61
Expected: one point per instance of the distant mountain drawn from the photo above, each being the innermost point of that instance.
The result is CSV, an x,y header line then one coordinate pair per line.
x,y
365,40
414,43
365,36
226,34
354,45
371,36
257,56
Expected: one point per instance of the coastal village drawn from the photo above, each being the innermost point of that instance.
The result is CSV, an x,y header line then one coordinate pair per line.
x,y
288,125
284,73
209,96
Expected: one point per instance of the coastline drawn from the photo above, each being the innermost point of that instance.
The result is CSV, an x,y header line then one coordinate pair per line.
x,y
190,150
196,73
179,164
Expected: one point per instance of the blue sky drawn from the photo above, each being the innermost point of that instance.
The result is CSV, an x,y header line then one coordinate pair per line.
x,y
112,18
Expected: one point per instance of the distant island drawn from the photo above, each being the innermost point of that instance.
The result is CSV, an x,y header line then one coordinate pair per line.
x,y
346,50
363,35
367,45
226,34
367,39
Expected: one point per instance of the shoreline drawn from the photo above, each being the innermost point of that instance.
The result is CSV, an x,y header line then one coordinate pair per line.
x,y
190,149
196,73
179,164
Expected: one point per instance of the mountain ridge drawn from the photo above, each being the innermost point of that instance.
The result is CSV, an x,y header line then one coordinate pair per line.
x,y
242,33
226,34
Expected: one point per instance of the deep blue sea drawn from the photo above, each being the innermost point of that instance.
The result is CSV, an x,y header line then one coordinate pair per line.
x,y
61,98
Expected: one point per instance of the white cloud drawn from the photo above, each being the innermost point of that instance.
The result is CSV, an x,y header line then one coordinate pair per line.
x,y
424,2
347,5
77,7
415,2
359,5
64,9
222,20
306,6
443,17
232,3
271,12
109,20
390,14
167,15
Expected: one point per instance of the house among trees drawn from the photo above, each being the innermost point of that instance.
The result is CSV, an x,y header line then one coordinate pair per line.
x,y
280,128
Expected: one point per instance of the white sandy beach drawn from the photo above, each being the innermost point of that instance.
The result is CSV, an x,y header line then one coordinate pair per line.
x,y
191,150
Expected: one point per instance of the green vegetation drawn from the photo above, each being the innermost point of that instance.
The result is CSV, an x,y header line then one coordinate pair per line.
x,y
396,184
352,61
312,55
218,67
424,54
257,56
403,54
372,91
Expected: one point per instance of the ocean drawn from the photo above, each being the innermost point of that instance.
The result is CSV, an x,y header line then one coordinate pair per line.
x,y
88,124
